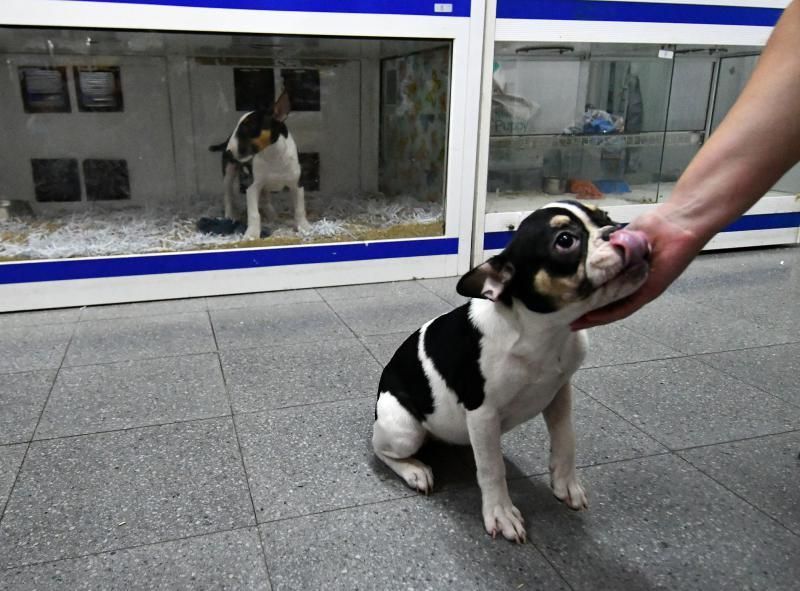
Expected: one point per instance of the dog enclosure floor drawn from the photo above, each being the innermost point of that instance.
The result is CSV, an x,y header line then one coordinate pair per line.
x,y
102,230
225,443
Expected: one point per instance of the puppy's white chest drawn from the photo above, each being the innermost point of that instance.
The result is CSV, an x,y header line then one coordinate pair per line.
x,y
521,388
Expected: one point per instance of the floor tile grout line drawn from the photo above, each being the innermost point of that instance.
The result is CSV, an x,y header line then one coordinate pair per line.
x,y
409,495
138,359
133,428
746,383
263,545
624,419
210,351
340,319
36,426
191,420
593,465
738,496
740,440
125,548
241,452
694,353
625,363
556,570
425,287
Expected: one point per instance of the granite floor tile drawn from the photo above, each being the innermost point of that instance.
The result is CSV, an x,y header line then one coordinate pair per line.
x,y
613,344
434,543
25,348
765,471
757,286
313,458
22,398
658,523
38,318
773,369
266,326
695,328
300,373
94,398
445,288
685,403
226,560
93,493
139,309
601,436
10,460
269,298
383,346
375,315
125,339
390,292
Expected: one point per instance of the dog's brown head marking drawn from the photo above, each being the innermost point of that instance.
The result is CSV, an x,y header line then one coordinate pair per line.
x,y
545,264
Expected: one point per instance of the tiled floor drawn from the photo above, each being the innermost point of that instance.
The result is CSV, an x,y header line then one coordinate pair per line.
x,y
224,443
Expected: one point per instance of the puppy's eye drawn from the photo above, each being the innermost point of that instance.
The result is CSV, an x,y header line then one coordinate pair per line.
x,y
566,241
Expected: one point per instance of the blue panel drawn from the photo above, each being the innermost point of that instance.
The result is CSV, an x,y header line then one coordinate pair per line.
x,y
637,12
412,7
32,271
763,221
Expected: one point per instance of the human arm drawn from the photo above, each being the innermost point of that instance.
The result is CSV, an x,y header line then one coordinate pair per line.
x,y
756,143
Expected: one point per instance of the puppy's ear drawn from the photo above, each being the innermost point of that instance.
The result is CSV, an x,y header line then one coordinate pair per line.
x,y
487,280
282,107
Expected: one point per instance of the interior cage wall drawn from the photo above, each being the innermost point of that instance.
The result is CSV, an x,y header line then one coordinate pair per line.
x,y
173,108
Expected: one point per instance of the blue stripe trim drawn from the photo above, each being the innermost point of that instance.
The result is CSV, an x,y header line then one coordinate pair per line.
x,y
33,271
762,221
637,12
409,7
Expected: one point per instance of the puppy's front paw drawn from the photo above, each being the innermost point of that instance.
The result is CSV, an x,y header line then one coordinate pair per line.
x,y
568,490
505,518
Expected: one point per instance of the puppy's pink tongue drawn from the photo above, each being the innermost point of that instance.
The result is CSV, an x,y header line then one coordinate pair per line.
x,y
634,245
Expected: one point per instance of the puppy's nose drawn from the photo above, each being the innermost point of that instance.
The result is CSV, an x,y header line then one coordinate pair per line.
x,y
606,232
632,244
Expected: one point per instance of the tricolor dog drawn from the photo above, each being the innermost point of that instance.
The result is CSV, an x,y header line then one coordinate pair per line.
x,y
262,141
480,370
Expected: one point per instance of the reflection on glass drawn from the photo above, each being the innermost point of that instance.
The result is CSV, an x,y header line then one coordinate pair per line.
x,y
617,123
112,133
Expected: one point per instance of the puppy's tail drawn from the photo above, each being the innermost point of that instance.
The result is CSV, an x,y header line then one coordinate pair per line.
x,y
221,147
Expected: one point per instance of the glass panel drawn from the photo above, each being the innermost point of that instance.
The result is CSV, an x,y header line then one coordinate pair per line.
x,y
584,120
707,81
112,132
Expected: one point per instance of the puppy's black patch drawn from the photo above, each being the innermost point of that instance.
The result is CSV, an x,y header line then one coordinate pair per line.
x,y
405,379
459,361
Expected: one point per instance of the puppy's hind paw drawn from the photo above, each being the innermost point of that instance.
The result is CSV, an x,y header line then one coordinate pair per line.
x,y
417,475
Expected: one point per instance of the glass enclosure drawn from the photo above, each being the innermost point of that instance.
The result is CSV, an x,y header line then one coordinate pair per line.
x,y
614,123
140,142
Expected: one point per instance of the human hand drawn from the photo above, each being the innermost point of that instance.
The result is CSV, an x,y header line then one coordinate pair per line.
x,y
672,248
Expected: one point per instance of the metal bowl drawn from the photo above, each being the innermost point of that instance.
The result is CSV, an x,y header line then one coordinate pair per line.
x,y
553,185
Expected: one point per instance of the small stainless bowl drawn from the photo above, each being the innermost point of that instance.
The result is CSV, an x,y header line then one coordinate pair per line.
x,y
553,185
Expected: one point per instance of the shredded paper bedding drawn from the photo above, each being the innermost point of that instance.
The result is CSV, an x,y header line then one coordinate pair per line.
x,y
101,231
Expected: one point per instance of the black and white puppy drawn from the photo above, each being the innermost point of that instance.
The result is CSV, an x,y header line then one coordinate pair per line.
x,y
480,370
262,141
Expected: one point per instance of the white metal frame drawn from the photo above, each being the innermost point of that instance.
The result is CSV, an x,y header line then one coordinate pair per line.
x,y
467,36
562,31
